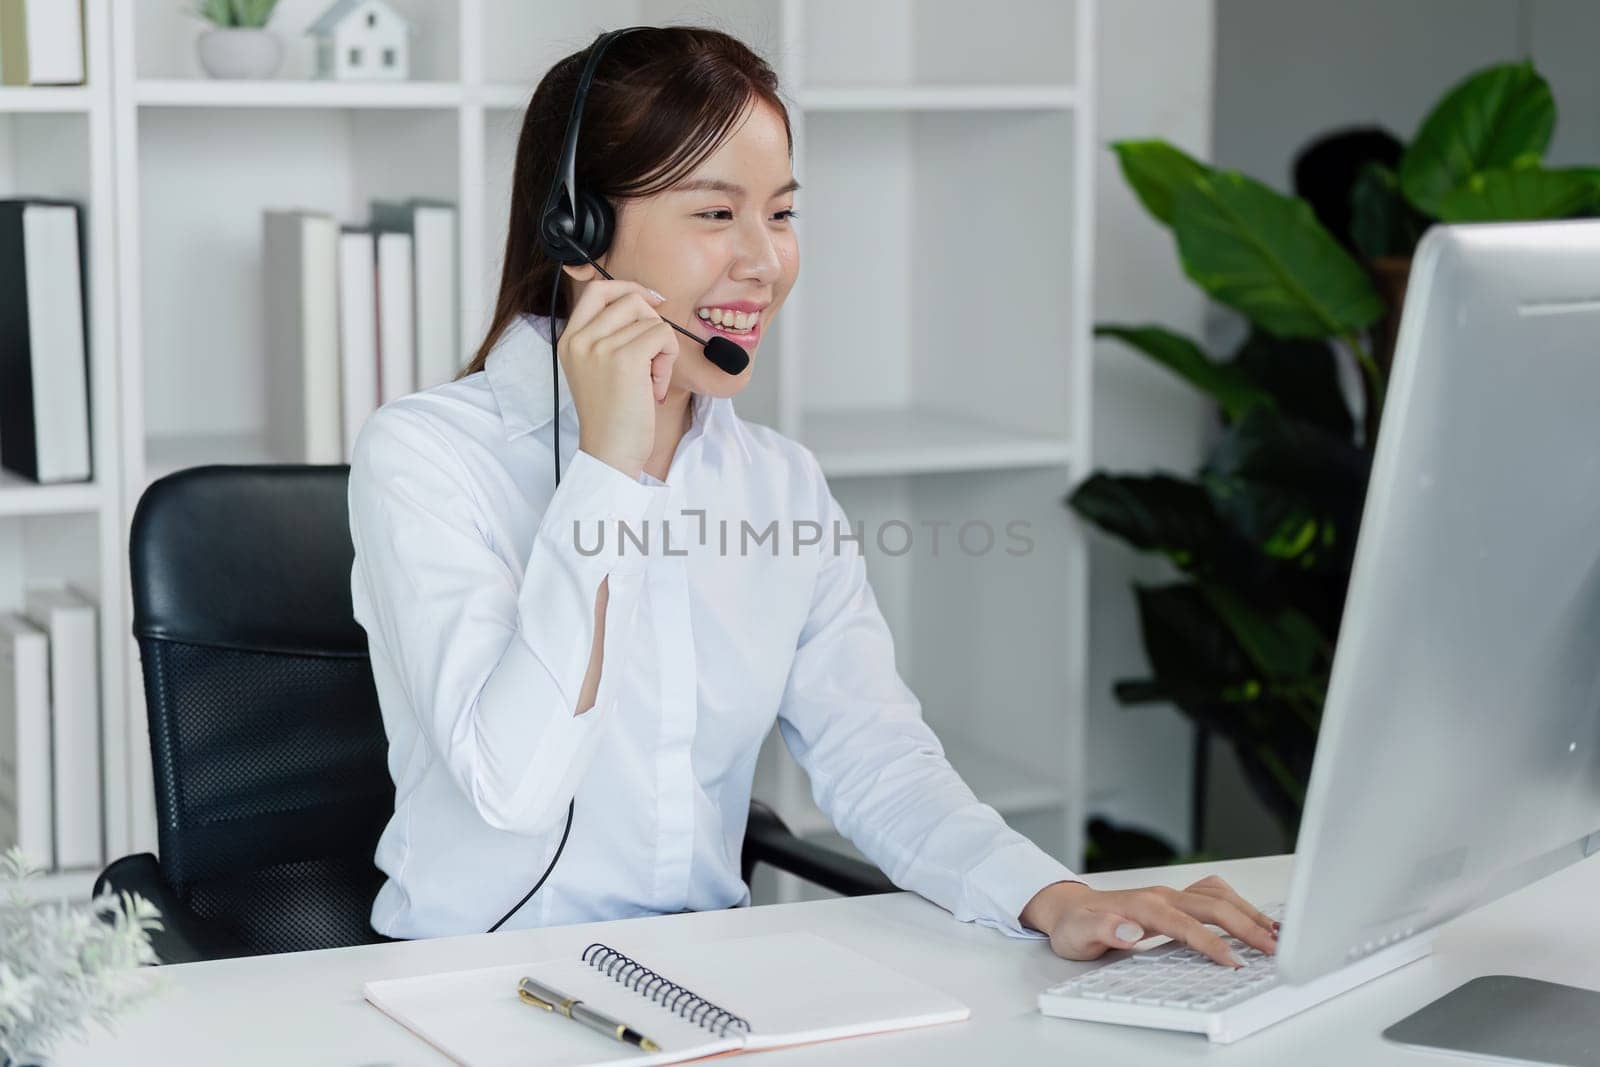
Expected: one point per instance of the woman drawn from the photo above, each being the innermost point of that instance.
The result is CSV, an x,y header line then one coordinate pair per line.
x,y
533,669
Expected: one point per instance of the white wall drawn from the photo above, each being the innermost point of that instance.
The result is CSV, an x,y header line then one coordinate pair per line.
x,y
1155,80
1287,71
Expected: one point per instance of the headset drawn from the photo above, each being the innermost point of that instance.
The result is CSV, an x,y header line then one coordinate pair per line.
x,y
576,226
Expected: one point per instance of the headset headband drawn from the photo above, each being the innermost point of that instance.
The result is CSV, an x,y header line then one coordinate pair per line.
x,y
561,223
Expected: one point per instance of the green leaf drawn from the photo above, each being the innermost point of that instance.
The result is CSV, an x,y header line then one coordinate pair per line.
x,y
218,12
1302,377
1189,648
1269,448
1498,117
1221,381
1200,666
254,14
1382,221
1153,514
1282,643
1266,255
1509,194
1156,170
1282,524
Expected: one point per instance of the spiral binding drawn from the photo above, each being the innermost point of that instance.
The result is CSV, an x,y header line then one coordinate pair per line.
x,y
670,995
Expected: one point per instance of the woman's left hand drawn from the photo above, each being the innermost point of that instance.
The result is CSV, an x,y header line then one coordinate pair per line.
x,y
1085,923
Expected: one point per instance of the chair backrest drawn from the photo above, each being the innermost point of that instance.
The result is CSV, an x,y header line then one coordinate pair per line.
x,y
268,748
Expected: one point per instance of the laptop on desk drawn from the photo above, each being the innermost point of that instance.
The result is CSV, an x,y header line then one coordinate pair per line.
x,y
1459,753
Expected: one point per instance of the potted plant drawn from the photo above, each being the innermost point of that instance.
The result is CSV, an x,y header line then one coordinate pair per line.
x,y
64,965
238,44
1264,534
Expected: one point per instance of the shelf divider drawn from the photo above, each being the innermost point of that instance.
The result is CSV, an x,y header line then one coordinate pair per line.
x,y
208,93
938,98
45,98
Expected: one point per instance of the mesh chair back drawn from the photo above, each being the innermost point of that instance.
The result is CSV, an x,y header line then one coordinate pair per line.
x,y
268,748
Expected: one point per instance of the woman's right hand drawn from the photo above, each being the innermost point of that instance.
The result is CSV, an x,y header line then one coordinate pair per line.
x,y
617,354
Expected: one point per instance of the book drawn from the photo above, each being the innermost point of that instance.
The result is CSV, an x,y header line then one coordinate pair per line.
x,y
432,225
25,818
300,254
69,618
397,356
44,385
41,42
742,995
358,330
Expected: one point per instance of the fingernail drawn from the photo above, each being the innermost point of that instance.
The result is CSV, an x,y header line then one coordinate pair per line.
x,y
1277,928
1130,932
657,297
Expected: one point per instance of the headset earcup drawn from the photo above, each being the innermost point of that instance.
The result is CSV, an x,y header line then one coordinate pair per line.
x,y
596,223
591,231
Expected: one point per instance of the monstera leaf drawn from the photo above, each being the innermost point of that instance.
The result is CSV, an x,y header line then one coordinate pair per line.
x,y
1382,220
1300,375
1498,118
1200,665
1508,194
1266,255
1223,382
1155,514
1156,171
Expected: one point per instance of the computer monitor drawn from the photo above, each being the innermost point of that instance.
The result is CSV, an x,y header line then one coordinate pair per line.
x,y
1459,756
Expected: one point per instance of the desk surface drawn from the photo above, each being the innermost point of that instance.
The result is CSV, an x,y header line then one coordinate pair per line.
x,y
306,1008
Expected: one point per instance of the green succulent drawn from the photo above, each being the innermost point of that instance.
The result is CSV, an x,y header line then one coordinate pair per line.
x,y
236,14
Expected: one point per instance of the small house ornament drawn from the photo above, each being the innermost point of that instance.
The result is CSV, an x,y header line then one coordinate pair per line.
x,y
362,40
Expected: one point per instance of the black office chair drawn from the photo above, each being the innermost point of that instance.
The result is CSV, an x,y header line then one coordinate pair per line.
x,y
267,744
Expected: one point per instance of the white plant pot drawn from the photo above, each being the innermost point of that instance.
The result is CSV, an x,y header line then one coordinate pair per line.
x,y
236,53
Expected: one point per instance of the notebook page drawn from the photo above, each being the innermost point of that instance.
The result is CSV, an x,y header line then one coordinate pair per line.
x,y
475,1017
797,987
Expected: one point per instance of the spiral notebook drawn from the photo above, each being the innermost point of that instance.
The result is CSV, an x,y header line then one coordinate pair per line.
x,y
742,995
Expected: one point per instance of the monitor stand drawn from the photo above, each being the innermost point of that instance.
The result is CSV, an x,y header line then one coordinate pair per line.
x,y
1517,1020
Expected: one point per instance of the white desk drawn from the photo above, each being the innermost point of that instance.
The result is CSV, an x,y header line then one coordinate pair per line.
x,y
306,1008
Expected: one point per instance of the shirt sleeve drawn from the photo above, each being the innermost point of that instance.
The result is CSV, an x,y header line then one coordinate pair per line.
x,y
878,771
493,662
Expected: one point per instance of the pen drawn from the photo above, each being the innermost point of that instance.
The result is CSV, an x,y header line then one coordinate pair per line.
x,y
542,996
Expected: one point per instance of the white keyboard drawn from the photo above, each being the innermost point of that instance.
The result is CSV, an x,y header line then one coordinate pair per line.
x,y
1171,987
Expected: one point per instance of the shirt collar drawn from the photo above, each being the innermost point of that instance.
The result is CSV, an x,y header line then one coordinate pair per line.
x,y
518,370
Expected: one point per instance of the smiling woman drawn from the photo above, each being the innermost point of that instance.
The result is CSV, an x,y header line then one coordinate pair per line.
x,y
663,102
529,678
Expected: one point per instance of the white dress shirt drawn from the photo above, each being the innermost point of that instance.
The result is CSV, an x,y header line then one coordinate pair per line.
x,y
475,578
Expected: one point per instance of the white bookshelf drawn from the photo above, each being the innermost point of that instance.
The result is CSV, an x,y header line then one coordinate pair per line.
x,y
934,354
57,142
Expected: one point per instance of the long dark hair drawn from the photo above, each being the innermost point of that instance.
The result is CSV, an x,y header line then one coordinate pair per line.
x,y
663,99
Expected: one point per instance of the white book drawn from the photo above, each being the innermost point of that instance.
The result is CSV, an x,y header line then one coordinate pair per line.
x,y
742,995
397,354
68,617
41,42
438,308
25,817
358,331
55,312
42,344
300,253
432,225
55,42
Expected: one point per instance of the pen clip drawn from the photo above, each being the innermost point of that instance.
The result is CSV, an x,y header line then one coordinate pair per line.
x,y
529,997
